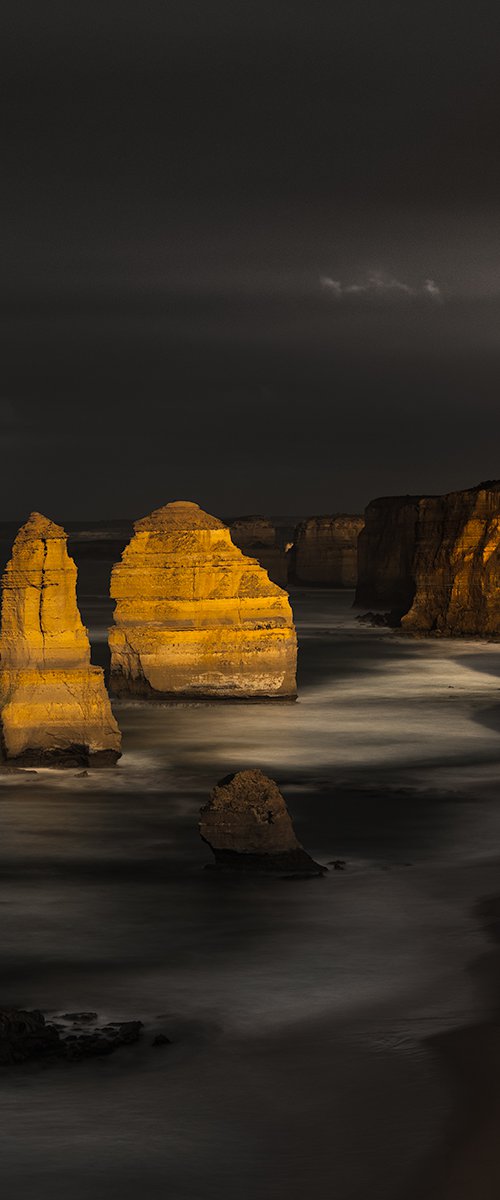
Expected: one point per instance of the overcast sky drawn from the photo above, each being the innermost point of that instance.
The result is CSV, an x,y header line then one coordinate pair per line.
x,y
250,253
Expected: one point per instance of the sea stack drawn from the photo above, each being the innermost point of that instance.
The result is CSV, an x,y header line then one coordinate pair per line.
x,y
326,551
196,618
386,552
247,826
256,536
54,708
456,565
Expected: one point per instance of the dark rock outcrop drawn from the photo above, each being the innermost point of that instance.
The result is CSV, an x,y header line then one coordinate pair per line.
x,y
326,550
247,826
256,536
72,1036
386,552
456,565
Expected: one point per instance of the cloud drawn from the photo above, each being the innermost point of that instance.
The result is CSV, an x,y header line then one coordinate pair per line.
x,y
378,285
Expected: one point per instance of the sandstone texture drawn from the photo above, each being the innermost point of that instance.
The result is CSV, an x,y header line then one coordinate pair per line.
x,y
456,565
257,537
386,552
54,708
326,551
247,826
195,617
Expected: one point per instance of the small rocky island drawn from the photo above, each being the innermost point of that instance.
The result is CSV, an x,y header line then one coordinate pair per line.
x,y
196,618
54,708
247,826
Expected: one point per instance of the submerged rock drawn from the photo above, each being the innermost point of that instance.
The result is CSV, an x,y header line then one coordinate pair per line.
x,y
247,826
326,551
54,708
456,565
27,1035
195,617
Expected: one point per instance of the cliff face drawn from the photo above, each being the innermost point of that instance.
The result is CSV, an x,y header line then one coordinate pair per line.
x,y
457,564
256,536
195,617
53,704
247,825
386,551
326,551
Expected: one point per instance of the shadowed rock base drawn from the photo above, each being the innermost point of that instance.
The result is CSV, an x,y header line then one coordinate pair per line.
x,y
292,864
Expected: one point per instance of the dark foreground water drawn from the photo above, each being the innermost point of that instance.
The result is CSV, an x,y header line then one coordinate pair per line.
x,y
314,1025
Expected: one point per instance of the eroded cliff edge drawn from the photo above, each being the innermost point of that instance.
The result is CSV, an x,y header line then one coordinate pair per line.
x,y
456,564
54,708
386,554
195,617
434,561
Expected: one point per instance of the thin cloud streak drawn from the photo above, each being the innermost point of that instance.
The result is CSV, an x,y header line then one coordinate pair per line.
x,y
377,285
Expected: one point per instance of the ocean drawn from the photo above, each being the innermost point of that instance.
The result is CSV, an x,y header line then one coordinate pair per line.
x,y
306,1018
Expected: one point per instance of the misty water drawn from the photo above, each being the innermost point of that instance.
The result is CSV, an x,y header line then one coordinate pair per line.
x,y
302,1015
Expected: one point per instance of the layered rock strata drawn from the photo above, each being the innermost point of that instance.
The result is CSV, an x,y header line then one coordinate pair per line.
x,y
257,537
386,552
247,826
326,551
54,708
456,566
195,617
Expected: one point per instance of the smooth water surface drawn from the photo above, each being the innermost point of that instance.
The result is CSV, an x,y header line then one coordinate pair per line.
x,y
299,1012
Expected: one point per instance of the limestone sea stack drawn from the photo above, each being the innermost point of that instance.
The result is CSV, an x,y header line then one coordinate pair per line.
x,y
195,617
386,552
326,551
256,536
456,565
54,708
247,826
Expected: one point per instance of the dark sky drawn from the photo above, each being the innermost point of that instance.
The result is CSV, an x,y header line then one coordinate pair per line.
x,y
250,253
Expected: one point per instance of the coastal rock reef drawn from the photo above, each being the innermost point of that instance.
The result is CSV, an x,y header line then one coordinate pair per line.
x,y
195,617
247,826
326,551
54,708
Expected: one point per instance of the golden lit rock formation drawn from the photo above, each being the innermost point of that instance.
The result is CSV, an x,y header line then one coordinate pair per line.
x,y
456,565
247,825
326,550
54,708
195,617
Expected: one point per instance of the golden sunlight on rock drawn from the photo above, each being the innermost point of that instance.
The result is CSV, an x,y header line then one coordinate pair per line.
x,y
457,564
196,617
54,708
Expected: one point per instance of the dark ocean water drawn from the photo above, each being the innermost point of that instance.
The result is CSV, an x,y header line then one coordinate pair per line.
x,y
301,1014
